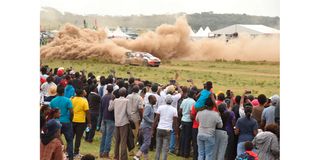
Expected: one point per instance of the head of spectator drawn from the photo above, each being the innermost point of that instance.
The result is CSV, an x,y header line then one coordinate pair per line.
x,y
90,74
208,85
171,89
251,97
192,93
77,75
135,89
248,146
154,87
209,104
122,92
131,80
274,128
43,70
51,131
168,99
52,90
60,90
121,83
141,86
54,113
152,99
93,88
49,79
221,97
262,99
238,99
184,89
248,110
102,80
79,92
109,80
60,72
109,88
275,100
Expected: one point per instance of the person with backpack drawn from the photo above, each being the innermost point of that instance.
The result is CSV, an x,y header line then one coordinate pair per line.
x,y
248,154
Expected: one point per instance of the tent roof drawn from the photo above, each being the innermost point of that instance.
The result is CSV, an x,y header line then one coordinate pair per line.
x,y
251,29
201,33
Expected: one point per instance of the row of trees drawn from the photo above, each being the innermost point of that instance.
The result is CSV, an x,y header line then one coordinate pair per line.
x,y
53,19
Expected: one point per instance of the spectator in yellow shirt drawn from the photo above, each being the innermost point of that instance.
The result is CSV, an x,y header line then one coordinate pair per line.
x,y
81,112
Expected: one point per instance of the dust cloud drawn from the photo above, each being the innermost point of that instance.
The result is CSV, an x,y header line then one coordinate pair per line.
x,y
166,42
74,43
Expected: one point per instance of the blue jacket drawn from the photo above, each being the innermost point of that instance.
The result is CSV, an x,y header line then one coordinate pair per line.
x,y
69,91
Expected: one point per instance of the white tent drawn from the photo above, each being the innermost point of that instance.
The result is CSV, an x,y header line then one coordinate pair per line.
x,y
201,33
192,34
250,29
117,34
207,30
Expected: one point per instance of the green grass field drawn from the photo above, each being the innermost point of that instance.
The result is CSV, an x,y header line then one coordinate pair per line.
x,y
259,77
93,148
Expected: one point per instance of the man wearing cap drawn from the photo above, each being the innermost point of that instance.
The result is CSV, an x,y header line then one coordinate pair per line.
x,y
52,94
171,90
165,115
122,115
51,146
268,114
66,115
58,77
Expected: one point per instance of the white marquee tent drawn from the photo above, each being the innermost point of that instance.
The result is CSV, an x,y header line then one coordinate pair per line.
x,y
117,33
250,29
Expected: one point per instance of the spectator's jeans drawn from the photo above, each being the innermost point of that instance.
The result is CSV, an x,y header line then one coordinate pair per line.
x,y
78,129
185,139
194,143
240,148
94,121
172,141
106,139
220,146
121,137
67,131
146,133
205,146
163,138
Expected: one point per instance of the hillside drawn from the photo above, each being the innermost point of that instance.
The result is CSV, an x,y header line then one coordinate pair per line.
x,y
51,18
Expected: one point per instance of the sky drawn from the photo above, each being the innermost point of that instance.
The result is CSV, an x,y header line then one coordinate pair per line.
x,y
149,7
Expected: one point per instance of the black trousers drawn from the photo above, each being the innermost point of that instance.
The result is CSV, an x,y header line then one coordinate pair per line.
x,y
94,121
185,139
194,143
230,151
78,129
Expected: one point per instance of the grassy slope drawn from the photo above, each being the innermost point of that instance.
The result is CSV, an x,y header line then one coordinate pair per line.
x,y
260,77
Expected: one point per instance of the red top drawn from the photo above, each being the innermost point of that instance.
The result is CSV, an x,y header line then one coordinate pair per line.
x,y
253,155
194,113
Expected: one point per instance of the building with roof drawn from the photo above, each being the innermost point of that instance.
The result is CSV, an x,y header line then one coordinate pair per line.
x,y
252,30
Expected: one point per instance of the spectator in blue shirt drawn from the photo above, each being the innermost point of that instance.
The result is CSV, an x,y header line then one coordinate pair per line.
x,y
65,106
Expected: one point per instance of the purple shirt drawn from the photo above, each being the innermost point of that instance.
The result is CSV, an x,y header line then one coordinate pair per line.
x,y
228,125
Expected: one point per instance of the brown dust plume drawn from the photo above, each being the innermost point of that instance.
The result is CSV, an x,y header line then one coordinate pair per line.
x,y
166,42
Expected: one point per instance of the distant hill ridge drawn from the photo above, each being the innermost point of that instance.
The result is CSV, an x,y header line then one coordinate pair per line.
x,y
51,18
